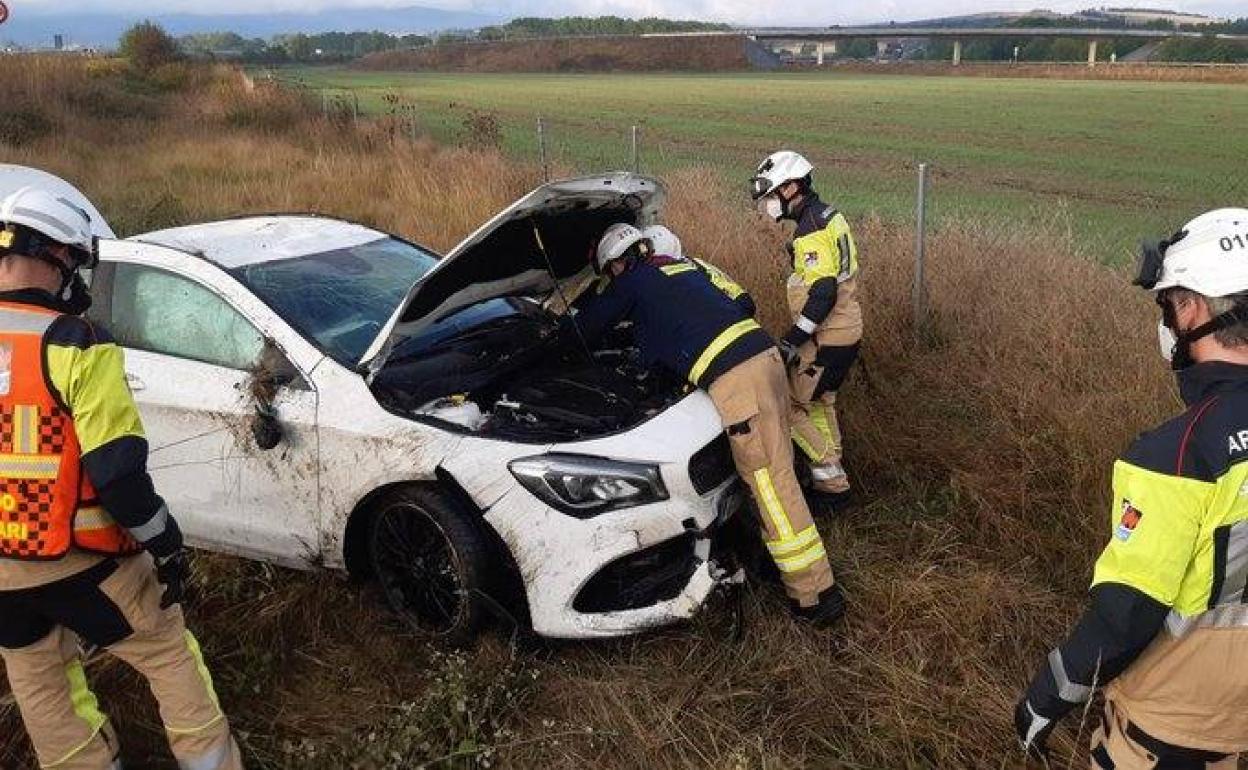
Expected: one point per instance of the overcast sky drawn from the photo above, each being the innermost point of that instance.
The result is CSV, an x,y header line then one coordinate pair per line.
x,y
805,12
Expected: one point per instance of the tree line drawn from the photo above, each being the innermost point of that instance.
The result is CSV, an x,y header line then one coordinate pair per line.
x,y
329,46
344,46
579,26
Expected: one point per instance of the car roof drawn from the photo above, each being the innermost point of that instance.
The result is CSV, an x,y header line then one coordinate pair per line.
x,y
233,243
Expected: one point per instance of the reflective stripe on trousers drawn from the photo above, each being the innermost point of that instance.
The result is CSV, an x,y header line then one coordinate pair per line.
x,y
86,707
797,552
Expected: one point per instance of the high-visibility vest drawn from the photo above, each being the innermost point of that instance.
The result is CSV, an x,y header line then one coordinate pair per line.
x,y
47,503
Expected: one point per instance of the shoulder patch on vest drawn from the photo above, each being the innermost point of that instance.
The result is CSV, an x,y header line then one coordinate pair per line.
x,y
1128,522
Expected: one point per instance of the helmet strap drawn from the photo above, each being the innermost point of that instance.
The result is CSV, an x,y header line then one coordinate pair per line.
x,y
788,208
22,241
1183,349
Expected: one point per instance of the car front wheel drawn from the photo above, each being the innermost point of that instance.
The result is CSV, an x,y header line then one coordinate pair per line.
x,y
431,560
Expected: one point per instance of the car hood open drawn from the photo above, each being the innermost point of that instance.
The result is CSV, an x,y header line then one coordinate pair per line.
x,y
550,230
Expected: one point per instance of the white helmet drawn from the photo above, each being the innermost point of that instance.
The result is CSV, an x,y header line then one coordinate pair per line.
x,y
776,169
663,240
617,240
1208,256
32,215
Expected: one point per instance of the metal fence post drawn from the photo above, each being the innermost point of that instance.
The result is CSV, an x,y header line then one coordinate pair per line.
x,y
541,149
918,294
636,152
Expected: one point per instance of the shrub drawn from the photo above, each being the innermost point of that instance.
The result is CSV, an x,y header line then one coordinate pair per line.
x,y
173,76
482,130
22,124
147,47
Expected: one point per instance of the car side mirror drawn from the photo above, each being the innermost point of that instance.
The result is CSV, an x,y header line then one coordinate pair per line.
x,y
273,371
265,428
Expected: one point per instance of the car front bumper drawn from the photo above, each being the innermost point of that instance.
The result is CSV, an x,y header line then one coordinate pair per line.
x,y
622,572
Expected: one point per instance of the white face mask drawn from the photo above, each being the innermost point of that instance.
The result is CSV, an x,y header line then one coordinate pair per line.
x,y
773,207
1167,341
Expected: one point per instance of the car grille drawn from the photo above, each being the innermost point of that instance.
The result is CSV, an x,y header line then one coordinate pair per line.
x,y
642,579
711,465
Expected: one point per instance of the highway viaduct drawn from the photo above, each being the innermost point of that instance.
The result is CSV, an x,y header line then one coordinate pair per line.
x,y
827,39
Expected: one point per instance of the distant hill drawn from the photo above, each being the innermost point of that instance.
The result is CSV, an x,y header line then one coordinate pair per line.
x,y
980,19
104,29
1106,17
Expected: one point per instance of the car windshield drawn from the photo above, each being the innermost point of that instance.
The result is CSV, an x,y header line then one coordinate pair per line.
x,y
340,299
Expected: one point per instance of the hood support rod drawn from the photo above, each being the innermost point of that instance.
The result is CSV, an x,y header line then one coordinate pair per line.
x,y
550,268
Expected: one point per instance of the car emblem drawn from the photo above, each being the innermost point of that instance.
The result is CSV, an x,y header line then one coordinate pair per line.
x,y
812,259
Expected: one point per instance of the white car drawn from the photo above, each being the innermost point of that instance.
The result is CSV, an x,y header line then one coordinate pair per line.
x,y
319,393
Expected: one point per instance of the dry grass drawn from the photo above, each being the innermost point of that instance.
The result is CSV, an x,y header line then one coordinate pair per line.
x,y
981,448
597,54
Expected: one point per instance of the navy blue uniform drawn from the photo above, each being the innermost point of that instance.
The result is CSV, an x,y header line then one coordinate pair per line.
x,y
681,320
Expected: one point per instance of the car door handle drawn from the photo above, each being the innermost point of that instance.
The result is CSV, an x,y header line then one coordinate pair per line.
x,y
134,381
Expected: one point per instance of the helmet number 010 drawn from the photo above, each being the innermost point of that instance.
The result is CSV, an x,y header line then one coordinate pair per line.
x,y
1234,242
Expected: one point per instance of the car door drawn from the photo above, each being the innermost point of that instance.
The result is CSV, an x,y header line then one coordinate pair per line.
x,y
230,419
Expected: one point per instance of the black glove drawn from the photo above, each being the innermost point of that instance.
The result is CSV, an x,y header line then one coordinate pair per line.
x,y
793,339
1033,730
789,353
173,571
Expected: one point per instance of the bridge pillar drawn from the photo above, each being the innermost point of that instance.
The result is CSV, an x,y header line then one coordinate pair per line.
x,y
881,49
819,53
1092,53
957,52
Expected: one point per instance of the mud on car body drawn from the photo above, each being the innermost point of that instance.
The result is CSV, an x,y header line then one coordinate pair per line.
x,y
317,392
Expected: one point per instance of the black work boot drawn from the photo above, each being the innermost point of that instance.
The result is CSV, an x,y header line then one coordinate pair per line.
x,y
829,503
827,612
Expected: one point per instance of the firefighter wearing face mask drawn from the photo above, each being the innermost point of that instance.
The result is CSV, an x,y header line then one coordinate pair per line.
x,y
683,323
823,342
1166,630
88,550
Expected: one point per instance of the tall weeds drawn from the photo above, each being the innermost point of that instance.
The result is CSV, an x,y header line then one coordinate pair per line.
x,y
980,444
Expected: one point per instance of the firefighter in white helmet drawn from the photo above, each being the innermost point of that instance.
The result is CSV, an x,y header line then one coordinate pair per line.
x,y
88,550
822,344
1165,632
686,325
666,243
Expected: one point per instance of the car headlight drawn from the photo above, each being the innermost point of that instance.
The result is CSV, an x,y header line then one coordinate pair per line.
x,y
584,486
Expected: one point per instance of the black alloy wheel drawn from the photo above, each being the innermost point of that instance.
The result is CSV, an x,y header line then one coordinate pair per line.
x,y
431,561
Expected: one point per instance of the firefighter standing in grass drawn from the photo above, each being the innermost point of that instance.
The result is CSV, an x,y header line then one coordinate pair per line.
x,y
823,342
88,550
687,325
1166,631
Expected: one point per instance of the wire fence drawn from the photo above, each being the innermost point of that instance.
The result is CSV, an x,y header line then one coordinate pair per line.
x,y
1103,212
1102,218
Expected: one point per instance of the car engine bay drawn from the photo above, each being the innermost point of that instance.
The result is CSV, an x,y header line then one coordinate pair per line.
x,y
516,377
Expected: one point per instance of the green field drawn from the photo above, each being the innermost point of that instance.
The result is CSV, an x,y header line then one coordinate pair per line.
x,y
1108,161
